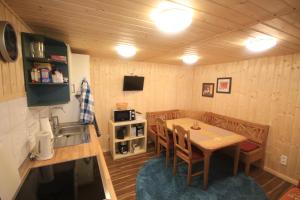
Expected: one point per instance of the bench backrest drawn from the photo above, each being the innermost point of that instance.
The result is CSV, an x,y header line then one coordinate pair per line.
x,y
257,133
165,115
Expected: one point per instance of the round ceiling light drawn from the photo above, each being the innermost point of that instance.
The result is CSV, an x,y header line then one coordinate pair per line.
x,y
260,43
190,59
172,18
126,50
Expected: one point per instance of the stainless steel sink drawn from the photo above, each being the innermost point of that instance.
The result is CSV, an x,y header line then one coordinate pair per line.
x,y
71,134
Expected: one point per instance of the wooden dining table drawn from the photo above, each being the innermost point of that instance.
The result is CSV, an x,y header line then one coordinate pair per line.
x,y
209,139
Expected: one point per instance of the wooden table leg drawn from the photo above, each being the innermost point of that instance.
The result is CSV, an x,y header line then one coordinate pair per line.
x,y
236,159
207,155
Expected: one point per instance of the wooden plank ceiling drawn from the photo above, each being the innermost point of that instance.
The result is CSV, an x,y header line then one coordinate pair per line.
x,y
217,33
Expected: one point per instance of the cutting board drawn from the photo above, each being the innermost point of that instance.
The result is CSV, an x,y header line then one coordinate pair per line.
x,y
9,175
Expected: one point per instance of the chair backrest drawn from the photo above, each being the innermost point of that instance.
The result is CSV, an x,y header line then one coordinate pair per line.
x,y
182,142
162,130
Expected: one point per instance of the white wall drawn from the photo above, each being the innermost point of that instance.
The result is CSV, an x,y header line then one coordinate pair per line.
x,y
79,67
18,125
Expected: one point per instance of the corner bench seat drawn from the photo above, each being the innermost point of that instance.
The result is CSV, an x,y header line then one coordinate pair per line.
x,y
253,149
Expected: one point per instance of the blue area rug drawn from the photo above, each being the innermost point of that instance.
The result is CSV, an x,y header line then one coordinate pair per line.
x,y
156,182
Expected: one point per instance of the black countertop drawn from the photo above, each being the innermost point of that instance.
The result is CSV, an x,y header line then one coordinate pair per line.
x,y
74,180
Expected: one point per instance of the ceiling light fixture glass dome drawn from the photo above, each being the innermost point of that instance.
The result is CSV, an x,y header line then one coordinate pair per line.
x,y
171,17
260,43
189,59
126,50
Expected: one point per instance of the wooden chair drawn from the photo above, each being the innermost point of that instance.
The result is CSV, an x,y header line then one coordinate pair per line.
x,y
151,123
163,138
183,149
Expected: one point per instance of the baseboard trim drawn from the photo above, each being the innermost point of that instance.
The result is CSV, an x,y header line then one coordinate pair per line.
x,y
280,175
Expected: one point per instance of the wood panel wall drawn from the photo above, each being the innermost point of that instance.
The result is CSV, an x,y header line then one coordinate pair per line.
x,y
165,87
267,91
11,74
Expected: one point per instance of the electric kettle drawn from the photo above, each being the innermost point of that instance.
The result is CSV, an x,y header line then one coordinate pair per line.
x,y
44,146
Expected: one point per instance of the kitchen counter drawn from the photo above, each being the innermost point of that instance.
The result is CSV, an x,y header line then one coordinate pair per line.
x,y
93,148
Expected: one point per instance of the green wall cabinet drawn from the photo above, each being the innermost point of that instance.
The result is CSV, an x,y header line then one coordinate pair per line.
x,y
39,93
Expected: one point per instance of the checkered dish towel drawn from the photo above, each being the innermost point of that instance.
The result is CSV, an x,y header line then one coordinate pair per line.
x,y
86,103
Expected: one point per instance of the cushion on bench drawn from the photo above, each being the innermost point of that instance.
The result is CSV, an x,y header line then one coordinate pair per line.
x,y
248,146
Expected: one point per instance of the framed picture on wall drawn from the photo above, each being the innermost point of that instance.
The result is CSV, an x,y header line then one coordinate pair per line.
x,y
208,89
224,85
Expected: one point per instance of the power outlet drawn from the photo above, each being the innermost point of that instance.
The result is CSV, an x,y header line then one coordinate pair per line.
x,y
283,160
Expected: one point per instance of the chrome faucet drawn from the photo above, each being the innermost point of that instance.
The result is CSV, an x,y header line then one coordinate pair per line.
x,y
54,119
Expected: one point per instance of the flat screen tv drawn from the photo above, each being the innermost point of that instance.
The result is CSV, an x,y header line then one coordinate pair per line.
x,y
133,83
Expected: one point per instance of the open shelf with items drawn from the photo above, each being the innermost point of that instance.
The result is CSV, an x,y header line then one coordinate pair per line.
x,y
46,60
127,138
54,59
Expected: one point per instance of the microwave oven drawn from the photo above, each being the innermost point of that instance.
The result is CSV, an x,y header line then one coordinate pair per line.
x,y
123,115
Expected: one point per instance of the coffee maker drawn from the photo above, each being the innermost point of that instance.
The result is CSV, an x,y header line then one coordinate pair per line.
x,y
123,147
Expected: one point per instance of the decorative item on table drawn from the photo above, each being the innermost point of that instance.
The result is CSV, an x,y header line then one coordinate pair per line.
x,y
208,89
224,85
195,126
37,49
121,105
123,148
57,77
59,58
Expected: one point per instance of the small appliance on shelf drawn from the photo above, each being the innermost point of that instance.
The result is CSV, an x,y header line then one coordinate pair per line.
x,y
123,115
121,132
123,148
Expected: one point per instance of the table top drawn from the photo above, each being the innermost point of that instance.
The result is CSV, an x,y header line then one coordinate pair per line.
x,y
208,137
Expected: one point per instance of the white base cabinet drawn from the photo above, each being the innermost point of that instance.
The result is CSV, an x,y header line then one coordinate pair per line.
x,y
134,140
